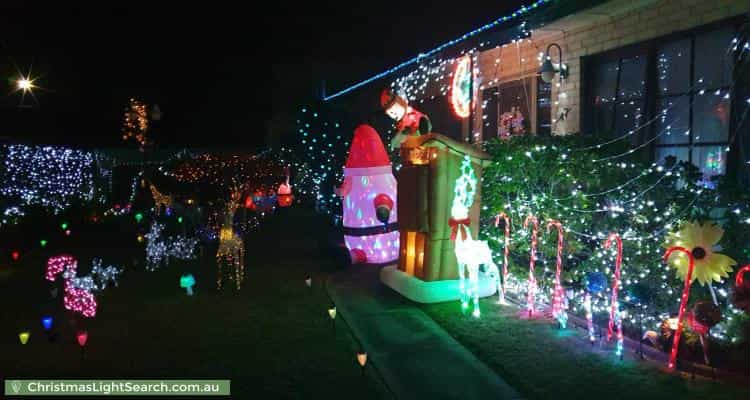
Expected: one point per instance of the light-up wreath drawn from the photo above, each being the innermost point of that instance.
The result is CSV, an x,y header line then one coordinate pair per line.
x,y
461,88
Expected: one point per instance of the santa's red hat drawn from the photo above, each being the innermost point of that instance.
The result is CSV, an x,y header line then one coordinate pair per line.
x,y
367,149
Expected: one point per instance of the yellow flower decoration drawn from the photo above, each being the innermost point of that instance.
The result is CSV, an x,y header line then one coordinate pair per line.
x,y
700,240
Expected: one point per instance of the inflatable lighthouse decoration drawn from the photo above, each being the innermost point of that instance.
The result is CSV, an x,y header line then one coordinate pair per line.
x,y
369,200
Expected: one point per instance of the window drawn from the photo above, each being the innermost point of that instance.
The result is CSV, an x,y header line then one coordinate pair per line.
x,y
676,89
693,100
508,109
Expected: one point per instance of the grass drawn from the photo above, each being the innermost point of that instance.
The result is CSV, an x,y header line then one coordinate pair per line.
x,y
273,339
542,362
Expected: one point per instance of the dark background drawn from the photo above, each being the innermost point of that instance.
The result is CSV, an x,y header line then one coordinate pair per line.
x,y
219,72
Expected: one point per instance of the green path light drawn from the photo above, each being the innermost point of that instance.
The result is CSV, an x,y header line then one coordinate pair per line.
x,y
43,243
64,226
138,217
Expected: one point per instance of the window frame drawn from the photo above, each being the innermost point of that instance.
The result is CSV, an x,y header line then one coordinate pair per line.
x,y
649,48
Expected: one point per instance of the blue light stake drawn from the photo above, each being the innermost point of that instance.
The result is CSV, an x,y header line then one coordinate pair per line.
x,y
47,323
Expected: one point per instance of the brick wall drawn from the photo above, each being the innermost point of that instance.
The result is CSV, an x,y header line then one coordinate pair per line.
x,y
608,26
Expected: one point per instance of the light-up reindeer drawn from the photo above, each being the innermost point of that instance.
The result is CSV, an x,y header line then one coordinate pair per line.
x,y
231,246
470,253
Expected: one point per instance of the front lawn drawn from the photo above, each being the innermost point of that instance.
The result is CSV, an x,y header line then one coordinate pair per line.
x,y
542,362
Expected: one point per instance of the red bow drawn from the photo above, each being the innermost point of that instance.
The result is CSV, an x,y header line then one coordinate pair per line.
x,y
455,223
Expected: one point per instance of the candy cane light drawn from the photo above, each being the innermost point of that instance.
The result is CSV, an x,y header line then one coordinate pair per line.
x,y
615,319
506,250
532,261
558,308
683,300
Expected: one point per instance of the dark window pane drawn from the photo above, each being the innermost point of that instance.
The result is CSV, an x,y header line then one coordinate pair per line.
x,y
681,153
628,117
713,59
603,116
673,67
632,78
605,83
711,117
672,125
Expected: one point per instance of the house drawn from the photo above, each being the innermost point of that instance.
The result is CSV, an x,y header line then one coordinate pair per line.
x,y
664,76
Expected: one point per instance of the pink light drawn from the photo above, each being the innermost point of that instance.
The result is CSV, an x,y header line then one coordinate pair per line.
x,y
532,262
558,310
57,264
614,312
683,301
740,279
82,337
506,249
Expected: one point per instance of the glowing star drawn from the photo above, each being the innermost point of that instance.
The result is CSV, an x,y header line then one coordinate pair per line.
x,y
470,253
700,240
461,88
25,84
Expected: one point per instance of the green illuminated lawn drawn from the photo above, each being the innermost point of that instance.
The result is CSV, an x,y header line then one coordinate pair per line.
x,y
539,361
274,339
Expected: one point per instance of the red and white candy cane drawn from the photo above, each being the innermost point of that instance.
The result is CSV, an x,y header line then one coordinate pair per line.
x,y
558,308
506,250
614,312
739,281
532,262
683,300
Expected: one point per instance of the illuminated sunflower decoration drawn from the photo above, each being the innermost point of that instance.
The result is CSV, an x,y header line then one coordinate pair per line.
x,y
700,239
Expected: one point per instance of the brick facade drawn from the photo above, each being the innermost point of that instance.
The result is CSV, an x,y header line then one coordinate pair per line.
x,y
605,27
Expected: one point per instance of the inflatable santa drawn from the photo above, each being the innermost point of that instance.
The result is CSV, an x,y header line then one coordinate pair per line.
x,y
369,200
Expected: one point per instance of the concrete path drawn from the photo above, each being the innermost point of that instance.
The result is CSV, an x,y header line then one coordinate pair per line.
x,y
416,357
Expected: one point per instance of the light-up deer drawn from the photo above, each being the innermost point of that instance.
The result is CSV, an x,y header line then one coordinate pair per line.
x,y
231,250
470,253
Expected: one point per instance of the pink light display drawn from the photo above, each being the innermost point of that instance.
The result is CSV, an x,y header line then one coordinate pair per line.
x,y
76,299
614,312
683,301
506,250
558,308
58,264
367,176
532,262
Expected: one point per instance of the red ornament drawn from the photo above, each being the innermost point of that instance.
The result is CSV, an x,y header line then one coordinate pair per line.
x,y
358,256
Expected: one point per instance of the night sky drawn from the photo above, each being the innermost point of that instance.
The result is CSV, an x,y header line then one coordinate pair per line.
x,y
218,72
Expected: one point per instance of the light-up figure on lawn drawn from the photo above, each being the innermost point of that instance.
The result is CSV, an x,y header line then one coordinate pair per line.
x,y
531,295
558,297
470,253
615,317
231,251
506,251
369,203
